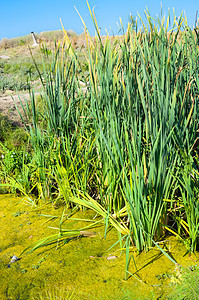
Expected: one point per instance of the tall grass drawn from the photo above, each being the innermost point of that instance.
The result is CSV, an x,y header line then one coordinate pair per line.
x,y
142,112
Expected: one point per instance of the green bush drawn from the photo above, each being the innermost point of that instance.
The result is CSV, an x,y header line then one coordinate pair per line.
x,y
12,160
11,135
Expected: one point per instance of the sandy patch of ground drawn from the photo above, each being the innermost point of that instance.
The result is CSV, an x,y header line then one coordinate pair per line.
x,y
8,104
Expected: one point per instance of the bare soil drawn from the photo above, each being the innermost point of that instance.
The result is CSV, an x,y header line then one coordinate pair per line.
x,y
9,103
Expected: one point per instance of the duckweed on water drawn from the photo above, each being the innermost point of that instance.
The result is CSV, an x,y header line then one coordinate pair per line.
x,y
77,268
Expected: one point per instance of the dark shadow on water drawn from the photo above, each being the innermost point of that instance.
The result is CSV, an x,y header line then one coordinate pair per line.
x,y
154,258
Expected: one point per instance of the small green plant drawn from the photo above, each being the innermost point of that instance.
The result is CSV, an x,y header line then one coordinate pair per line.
x,y
44,50
5,128
15,169
38,265
12,160
21,42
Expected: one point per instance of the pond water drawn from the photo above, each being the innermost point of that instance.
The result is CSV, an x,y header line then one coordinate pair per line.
x,y
80,267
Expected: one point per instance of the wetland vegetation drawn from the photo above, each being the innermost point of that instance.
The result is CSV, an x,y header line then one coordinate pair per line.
x,y
112,143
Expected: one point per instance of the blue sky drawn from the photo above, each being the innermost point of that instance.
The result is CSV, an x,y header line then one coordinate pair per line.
x,y
18,18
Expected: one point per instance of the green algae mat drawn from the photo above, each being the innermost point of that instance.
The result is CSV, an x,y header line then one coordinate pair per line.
x,y
80,267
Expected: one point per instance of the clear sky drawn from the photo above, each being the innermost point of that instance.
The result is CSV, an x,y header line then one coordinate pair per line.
x,y
20,17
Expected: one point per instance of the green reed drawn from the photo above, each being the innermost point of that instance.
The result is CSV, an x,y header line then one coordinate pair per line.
x,y
144,99
59,132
